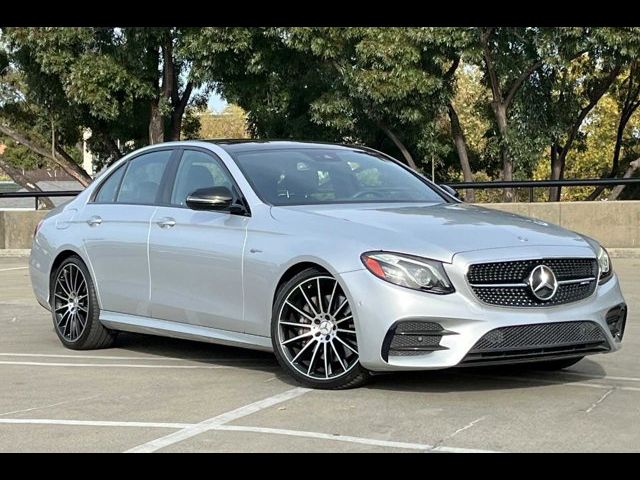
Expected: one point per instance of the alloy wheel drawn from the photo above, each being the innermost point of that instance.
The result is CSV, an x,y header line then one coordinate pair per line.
x,y
71,302
316,329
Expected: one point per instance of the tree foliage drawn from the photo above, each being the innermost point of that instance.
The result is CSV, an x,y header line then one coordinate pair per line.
x,y
474,103
230,123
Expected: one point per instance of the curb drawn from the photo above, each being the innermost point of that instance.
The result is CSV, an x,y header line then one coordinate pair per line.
x,y
624,252
14,252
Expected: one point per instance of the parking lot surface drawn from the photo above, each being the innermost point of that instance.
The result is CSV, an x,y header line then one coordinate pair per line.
x,y
152,394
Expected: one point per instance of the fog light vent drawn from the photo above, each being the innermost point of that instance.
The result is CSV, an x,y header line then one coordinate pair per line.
x,y
413,337
616,320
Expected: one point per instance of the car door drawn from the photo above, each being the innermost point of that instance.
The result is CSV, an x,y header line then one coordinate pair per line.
x,y
196,256
116,227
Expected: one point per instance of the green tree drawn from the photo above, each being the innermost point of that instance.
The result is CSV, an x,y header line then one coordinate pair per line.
x,y
129,86
513,61
386,87
576,87
27,123
592,159
256,69
625,150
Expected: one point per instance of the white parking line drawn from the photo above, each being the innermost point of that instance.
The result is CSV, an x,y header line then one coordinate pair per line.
x,y
12,269
552,382
92,357
350,439
114,357
112,365
216,421
90,423
239,428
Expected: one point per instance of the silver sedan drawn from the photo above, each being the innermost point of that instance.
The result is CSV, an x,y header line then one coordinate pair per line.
x,y
339,259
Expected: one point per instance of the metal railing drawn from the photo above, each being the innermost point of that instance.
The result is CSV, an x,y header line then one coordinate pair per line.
x,y
38,195
530,184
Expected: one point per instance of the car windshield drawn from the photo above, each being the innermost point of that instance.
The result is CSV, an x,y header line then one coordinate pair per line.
x,y
316,175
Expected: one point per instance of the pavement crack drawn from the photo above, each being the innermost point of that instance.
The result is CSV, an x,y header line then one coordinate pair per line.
x,y
48,406
460,430
600,400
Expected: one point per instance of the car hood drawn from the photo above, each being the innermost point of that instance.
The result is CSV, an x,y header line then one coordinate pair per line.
x,y
428,229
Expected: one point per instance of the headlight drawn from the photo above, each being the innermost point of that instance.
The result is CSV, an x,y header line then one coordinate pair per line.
x,y
408,271
605,267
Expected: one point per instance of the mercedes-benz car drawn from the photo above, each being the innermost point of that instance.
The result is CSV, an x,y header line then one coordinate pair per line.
x,y
339,259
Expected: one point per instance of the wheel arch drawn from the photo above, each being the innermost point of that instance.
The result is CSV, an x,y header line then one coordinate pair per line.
x,y
61,257
62,254
292,271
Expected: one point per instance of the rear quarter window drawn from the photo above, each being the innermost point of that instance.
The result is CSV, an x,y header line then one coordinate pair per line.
x,y
108,190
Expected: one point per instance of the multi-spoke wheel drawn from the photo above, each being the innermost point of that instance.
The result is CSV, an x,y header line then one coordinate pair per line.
x,y
71,302
314,334
74,307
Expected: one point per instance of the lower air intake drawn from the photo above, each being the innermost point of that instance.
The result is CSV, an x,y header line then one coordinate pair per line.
x,y
524,342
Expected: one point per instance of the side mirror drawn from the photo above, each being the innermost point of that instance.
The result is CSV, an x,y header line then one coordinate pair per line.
x,y
451,191
213,198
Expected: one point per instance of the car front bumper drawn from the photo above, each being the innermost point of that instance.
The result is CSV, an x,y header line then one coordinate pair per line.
x,y
377,305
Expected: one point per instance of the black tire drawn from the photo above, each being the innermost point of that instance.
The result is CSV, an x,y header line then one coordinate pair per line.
x,y
93,335
356,376
556,364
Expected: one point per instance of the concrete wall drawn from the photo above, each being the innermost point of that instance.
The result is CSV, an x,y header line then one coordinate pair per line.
x,y
614,224
16,228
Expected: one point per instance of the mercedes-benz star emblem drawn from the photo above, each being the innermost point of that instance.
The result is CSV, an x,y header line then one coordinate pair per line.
x,y
543,283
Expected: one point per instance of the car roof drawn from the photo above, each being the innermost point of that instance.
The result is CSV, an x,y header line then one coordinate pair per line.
x,y
243,145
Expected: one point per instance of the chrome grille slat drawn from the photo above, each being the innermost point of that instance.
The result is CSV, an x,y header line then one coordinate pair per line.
x,y
516,271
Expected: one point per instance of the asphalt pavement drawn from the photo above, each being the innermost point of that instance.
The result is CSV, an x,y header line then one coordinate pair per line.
x,y
152,394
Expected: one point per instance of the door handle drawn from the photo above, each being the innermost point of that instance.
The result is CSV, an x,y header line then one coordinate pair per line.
x,y
94,221
167,223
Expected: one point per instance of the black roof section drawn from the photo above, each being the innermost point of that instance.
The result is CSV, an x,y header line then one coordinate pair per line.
x,y
243,145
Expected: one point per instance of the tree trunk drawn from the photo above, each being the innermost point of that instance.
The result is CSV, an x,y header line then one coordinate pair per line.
x,y
156,124
25,182
396,141
179,108
176,127
500,111
460,142
617,190
59,157
557,170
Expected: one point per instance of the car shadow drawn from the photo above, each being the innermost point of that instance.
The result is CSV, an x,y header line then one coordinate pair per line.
x,y
433,381
499,377
200,352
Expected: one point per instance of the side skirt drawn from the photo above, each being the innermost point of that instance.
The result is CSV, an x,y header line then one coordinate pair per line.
x,y
165,328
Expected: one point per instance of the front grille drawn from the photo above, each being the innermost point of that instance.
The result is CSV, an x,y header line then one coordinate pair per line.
x,y
413,337
538,340
505,283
